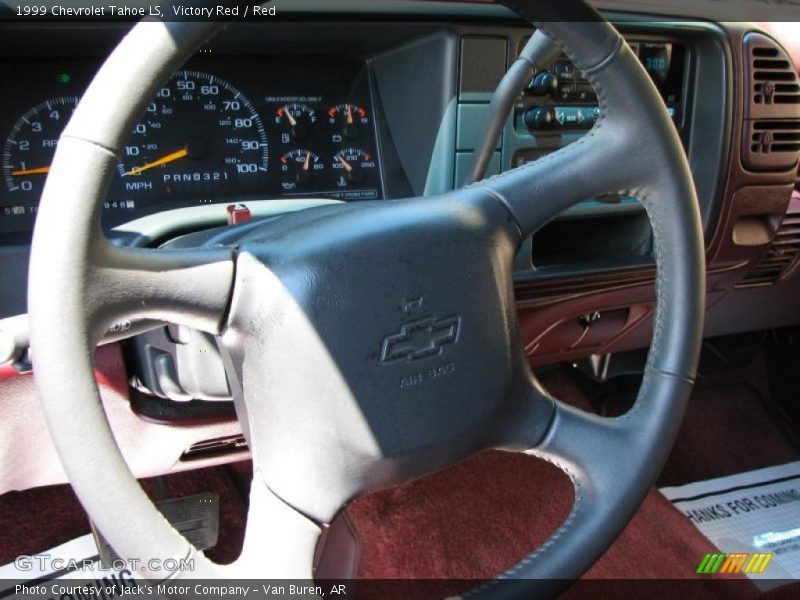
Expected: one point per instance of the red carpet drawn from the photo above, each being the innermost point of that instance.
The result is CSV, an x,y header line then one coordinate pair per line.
x,y
39,519
469,522
728,427
482,516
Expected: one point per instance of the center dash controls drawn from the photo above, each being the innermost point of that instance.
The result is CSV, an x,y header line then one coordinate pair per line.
x,y
556,118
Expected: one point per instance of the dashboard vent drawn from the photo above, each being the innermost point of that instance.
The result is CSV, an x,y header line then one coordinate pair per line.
x,y
783,253
774,79
774,145
771,134
774,87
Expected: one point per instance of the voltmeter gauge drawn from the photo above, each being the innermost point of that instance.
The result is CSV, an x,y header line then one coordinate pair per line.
x,y
349,119
296,121
298,168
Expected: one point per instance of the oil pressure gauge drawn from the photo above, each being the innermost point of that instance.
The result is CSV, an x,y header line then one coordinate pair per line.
x,y
298,168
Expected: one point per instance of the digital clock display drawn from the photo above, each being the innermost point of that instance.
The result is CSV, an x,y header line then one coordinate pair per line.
x,y
657,59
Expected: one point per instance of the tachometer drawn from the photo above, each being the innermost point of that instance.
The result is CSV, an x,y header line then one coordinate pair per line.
x,y
200,139
29,149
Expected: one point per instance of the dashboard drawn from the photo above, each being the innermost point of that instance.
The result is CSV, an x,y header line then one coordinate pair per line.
x,y
231,128
375,105
383,107
375,109
214,133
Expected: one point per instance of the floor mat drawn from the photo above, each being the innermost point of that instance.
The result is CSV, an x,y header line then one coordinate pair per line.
x,y
752,517
726,431
76,560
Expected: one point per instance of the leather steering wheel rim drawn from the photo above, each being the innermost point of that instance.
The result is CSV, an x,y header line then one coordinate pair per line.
x,y
76,272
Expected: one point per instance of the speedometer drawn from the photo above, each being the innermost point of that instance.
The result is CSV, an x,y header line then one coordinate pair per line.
x,y
199,140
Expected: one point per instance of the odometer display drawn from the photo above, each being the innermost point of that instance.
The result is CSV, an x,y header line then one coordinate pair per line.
x,y
199,140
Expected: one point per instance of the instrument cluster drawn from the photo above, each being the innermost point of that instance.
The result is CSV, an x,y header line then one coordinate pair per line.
x,y
222,130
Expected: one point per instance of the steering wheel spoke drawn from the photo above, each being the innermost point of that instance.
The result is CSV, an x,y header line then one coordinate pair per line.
x,y
598,454
279,541
188,287
592,167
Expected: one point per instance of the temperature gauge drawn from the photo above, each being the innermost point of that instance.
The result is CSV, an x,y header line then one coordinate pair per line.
x,y
298,168
349,119
355,165
297,120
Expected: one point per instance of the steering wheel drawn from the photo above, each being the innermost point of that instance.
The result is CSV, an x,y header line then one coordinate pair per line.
x,y
368,343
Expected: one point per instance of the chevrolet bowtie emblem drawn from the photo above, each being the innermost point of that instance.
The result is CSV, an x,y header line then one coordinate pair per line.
x,y
420,339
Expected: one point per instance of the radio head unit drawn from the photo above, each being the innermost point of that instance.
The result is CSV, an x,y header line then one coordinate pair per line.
x,y
558,97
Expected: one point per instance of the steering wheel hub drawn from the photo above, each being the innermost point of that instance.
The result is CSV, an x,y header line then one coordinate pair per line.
x,y
385,319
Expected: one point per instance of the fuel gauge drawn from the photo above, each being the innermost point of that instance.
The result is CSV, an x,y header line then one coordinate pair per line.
x,y
298,168
349,119
355,164
296,120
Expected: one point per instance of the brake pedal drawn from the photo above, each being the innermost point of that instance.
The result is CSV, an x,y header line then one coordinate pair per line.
x,y
195,517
